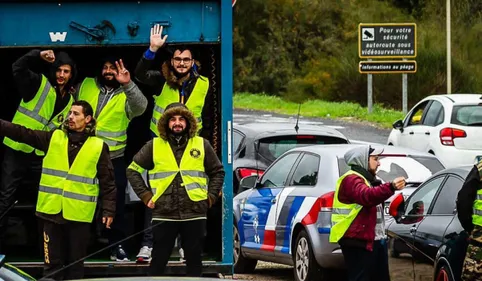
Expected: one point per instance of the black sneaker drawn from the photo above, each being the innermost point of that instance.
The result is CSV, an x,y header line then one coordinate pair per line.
x,y
119,254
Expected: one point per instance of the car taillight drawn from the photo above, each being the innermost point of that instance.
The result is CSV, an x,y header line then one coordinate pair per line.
x,y
244,172
305,137
326,201
447,135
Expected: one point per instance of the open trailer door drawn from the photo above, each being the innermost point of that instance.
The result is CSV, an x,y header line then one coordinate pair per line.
x,y
89,30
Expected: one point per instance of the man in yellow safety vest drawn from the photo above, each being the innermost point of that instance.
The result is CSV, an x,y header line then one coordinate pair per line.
x,y
76,171
178,80
116,100
46,99
185,178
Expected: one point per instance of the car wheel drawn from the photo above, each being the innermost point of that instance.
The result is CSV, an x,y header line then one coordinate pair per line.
x,y
444,274
305,266
391,249
241,263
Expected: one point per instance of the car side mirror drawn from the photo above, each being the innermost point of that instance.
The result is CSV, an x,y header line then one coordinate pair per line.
x,y
398,125
248,182
397,207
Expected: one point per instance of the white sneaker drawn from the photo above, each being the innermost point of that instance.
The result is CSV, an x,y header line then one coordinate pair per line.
x,y
181,253
144,254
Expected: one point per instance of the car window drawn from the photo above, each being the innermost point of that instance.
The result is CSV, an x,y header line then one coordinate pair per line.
x,y
420,201
273,147
277,174
416,114
433,113
467,115
306,173
445,203
237,140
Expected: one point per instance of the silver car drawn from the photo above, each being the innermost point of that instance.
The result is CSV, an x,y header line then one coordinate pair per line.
x,y
285,215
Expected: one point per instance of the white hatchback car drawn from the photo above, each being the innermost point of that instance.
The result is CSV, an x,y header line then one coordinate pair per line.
x,y
448,126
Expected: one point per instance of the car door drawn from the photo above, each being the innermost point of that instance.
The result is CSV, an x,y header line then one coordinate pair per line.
x,y
427,132
300,188
430,232
260,205
416,208
410,136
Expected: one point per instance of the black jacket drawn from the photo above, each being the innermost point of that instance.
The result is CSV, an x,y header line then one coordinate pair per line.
x,y
466,198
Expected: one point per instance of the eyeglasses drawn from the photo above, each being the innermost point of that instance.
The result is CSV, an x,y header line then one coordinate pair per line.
x,y
184,60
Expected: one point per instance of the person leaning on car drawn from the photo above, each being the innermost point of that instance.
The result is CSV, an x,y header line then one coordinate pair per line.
x,y
357,218
469,212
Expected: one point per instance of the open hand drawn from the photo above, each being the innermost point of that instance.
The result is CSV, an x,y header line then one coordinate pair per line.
x,y
157,41
122,76
48,56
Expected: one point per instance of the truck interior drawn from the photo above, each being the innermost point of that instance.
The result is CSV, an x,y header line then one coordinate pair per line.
x,y
22,243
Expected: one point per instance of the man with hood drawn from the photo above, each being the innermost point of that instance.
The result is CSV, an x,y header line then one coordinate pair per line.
x,y
177,81
185,178
357,218
469,212
45,103
76,171
116,100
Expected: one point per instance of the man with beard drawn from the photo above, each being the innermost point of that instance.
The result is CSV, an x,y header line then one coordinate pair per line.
x,y
357,218
116,100
76,170
185,177
45,103
178,81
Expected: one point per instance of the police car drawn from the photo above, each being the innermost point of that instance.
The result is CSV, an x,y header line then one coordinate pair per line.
x,y
285,215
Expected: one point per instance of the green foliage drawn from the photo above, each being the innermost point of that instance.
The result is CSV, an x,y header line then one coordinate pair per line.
x,y
305,50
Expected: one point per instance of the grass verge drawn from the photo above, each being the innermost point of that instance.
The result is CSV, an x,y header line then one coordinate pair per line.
x,y
317,108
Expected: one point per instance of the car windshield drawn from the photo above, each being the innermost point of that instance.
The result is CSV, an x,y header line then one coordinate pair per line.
x,y
415,169
273,147
467,115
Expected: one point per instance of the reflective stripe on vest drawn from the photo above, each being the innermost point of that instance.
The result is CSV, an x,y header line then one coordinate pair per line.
x,y
477,207
195,102
191,169
112,121
73,191
343,214
36,114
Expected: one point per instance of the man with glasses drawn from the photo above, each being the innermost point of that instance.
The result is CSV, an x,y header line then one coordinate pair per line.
x,y
178,80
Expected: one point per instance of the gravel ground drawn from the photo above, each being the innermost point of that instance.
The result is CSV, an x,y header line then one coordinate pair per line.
x,y
401,269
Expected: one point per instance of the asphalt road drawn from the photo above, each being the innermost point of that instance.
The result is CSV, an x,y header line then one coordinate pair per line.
x,y
401,269
358,131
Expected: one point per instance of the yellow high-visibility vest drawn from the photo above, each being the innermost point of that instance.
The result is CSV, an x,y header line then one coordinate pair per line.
x,y
169,95
112,122
73,190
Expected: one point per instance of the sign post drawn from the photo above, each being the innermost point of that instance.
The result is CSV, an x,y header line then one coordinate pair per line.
x,y
387,41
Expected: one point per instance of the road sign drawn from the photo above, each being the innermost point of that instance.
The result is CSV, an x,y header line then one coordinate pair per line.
x,y
387,40
366,67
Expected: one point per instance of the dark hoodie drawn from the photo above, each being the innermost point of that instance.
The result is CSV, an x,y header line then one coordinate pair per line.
x,y
27,76
467,195
174,204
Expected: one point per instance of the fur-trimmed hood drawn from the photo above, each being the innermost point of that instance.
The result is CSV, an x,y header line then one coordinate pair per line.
x,y
172,80
172,110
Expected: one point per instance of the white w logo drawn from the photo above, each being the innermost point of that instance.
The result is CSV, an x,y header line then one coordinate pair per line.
x,y
57,36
